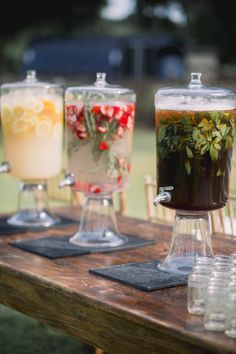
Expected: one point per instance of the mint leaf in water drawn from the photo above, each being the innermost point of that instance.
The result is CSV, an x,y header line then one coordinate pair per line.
x,y
189,152
187,166
213,153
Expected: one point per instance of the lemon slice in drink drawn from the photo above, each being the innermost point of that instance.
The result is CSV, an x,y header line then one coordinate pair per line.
x,y
43,128
34,104
18,126
31,118
18,111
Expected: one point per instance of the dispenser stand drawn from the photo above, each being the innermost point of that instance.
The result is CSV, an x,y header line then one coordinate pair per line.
x,y
98,226
191,238
33,210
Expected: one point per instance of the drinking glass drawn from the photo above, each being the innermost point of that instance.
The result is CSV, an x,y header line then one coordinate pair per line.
x,y
230,330
215,313
197,283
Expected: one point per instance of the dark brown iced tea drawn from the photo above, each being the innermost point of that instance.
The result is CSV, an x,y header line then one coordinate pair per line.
x,y
194,151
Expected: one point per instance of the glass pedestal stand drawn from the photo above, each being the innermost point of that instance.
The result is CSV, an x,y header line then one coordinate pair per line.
x,y
98,226
191,238
33,210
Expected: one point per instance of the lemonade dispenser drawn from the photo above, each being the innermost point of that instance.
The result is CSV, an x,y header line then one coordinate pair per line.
x,y
32,125
195,129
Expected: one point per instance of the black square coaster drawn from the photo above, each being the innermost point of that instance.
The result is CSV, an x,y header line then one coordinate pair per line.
x,y
57,247
141,275
8,229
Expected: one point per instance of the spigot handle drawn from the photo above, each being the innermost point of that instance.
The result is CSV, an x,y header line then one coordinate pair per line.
x,y
166,188
163,196
5,167
69,180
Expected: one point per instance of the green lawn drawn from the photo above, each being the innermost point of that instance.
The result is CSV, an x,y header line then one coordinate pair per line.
x,y
20,334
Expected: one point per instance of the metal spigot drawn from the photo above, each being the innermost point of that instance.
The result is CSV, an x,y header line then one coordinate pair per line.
x,y
5,167
68,181
163,195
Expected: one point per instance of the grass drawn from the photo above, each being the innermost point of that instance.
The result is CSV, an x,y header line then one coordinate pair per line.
x,y
21,334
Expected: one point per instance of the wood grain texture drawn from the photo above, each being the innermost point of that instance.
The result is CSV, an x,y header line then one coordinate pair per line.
x,y
103,313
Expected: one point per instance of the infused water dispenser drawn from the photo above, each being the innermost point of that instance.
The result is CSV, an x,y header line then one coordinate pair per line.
x,y
100,122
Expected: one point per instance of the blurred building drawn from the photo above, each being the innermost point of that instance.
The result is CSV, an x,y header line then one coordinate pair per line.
x,y
139,56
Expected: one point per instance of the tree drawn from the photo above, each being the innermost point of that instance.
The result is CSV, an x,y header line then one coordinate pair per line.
x,y
65,15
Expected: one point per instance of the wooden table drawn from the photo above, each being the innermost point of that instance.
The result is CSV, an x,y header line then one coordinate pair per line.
x,y
106,314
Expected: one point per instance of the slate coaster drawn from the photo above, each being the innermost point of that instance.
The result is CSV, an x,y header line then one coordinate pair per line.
x,y
7,229
141,275
57,247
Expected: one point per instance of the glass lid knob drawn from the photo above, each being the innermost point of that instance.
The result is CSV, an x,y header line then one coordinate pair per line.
x,y
195,81
31,75
100,79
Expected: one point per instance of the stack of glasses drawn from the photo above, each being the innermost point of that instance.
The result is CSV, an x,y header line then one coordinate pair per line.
x,y
212,292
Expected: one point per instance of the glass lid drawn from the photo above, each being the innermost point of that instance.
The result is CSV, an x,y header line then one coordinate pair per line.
x,y
30,81
100,87
195,97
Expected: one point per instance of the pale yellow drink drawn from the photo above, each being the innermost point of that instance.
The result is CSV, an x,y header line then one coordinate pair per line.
x,y
32,134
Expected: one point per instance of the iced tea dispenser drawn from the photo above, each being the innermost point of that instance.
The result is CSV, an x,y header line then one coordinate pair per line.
x,y
195,129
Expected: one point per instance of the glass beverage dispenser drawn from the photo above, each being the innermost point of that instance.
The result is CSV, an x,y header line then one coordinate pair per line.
x,y
195,132
32,124
100,121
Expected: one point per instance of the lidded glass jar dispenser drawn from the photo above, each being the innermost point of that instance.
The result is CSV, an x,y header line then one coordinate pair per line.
x,y
195,129
32,125
99,122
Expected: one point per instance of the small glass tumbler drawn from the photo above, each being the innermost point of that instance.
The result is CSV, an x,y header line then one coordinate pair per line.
x,y
201,269
219,273
221,258
197,283
233,256
204,261
221,267
232,269
231,313
215,316
233,261
217,278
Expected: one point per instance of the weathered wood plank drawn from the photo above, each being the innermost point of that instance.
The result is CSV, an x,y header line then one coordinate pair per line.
x,y
107,314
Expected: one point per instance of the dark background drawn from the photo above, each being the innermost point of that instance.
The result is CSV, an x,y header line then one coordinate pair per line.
x,y
208,27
